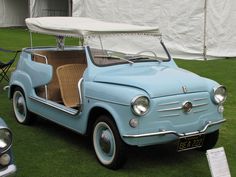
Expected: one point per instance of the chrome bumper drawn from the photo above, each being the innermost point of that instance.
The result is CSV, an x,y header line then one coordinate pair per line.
x,y
167,132
11,169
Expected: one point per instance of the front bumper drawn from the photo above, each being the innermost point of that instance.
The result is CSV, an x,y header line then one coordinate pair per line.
x,y
11,169
170,132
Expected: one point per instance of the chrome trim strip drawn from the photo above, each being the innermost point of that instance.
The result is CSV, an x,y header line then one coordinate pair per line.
x,y
168,132
80,89
197,111
179,108
46,62
56,105
80,93
165,104
200,99
169,109
171,115
198,105
113,102
43,56
46,91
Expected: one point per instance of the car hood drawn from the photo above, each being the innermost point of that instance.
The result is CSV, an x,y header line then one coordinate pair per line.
x,y
157,81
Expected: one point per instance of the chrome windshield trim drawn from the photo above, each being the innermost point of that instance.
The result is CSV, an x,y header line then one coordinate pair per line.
x,y
169,132
56,106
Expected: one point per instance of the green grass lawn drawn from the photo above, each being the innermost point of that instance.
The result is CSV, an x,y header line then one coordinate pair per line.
x,y
48,150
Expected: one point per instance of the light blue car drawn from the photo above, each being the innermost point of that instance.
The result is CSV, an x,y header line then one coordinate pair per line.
x,y
7,166
116,87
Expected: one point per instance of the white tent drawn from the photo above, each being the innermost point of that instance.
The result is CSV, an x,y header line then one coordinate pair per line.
x,y
42,8
191,29
14,12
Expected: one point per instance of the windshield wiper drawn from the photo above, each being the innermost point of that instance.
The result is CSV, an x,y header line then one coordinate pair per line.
x,y
114,57
140,57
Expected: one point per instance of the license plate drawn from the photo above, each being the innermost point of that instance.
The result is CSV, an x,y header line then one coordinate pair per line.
x,y
190,142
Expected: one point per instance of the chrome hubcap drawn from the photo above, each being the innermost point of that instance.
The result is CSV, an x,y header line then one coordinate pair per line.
x,y
20,105
105,141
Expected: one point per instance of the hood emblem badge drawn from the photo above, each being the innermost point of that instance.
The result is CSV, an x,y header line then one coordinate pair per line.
x,y
184,89
187,106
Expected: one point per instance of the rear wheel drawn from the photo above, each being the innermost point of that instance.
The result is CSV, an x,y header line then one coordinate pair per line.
x,y
210,140
108,146
22,114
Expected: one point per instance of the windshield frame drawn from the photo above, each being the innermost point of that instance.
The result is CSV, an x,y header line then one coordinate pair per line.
x,y
123,61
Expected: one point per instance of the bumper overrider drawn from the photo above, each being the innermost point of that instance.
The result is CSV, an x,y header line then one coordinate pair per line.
x,y
170,132
11,169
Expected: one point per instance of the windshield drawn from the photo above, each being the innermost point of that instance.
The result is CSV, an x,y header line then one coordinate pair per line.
x,y
126,48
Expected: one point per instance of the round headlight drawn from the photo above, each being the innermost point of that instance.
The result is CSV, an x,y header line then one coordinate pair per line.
x,y
5,139
140,105
220,94
5,159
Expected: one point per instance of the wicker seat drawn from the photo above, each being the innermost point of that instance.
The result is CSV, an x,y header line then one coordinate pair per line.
x,y
56,59
68,77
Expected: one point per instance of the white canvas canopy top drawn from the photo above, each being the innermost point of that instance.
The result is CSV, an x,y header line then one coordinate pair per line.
x,y
82,27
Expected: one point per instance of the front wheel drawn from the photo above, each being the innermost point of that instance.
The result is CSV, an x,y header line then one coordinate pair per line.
x,y
22,114
108,146
210,140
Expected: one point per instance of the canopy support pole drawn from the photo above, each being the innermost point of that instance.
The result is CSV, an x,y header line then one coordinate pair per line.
x,y
205,29
31,40
70,8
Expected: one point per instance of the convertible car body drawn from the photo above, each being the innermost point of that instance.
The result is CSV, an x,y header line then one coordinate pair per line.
x,y
114,90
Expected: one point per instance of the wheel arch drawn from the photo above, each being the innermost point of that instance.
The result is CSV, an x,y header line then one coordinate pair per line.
x,y
94,113
13,87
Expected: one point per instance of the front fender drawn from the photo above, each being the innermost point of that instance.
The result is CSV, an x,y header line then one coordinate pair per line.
x,y
120,114
115,99
112,93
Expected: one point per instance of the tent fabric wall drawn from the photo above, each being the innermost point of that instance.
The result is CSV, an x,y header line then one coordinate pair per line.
x,y
36,7
13,12
41,8
221,25
182,23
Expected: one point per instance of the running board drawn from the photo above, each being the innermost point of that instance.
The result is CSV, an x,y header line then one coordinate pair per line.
x,y
55,105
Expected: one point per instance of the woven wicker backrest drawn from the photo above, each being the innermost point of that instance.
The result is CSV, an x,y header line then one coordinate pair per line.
x,y
68,77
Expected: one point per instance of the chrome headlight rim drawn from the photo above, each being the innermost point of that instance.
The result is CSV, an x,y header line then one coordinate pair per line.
x,y
9,141
215,90
134,106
